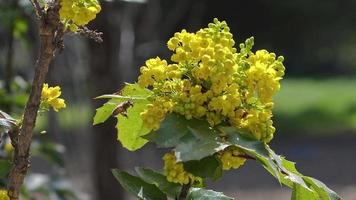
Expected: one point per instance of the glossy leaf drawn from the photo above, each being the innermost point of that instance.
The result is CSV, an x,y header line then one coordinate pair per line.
x,y
202,194
104,112
138,187
199,143
207,167
131,129
171,130
300,193
324,192
130,92
158,179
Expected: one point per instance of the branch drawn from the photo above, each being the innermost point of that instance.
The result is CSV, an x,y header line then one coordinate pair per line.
x,y
38,10
184,192
50,29
91,34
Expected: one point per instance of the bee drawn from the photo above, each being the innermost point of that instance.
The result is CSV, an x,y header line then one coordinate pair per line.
x,y
122,108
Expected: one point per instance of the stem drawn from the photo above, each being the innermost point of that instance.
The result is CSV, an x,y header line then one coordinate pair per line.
x,y
49,31
184,192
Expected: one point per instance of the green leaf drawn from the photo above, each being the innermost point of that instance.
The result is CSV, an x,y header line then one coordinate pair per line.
x,y
158,179
171,130
130,92
195,141
207,167
200,143
138,187
300,193
105,111
290,175
253,148
324,192
5,167
131,128
120,97
202,194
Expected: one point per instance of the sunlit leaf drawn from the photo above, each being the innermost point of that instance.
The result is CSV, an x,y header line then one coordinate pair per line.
x,y
324,192
138,187
131,129
158,179
202,194
129,92
207,167
300,193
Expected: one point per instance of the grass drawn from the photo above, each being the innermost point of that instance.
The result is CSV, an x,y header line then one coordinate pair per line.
x,y
316,106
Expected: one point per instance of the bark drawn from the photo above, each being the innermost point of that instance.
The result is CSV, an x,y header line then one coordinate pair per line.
x,y
104,78
50,35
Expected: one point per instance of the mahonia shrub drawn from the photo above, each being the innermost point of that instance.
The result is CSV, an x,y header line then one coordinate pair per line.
x,y
212,104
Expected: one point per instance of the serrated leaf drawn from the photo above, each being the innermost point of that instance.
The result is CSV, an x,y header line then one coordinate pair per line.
x,y
207,167
138,187
131,128
290,174
120,97
199,143
105,111
158,179
202,194
300,193
130,92
254,148
324,192
171,130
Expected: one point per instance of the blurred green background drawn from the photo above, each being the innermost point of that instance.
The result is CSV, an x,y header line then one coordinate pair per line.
x,y
315,110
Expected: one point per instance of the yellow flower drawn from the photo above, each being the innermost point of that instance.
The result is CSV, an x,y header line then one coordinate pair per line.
x,y
8,147
174,171
3,195
50,98
231,158
74,13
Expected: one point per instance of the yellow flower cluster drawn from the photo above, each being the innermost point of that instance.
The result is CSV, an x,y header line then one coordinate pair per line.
x,y
231,158
50,98
3,195
175,172
156,111
74,13
210,79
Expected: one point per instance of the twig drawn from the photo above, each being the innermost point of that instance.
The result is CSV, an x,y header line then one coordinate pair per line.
x,y
38,10
49,29
184,192
91,34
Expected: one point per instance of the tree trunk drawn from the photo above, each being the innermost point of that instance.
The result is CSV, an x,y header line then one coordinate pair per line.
x,y
104,78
